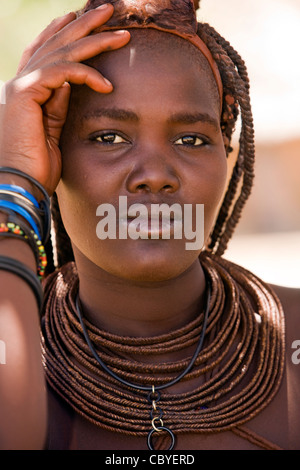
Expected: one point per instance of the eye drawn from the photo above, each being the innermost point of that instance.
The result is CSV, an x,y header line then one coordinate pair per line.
x,y
110,138
190,141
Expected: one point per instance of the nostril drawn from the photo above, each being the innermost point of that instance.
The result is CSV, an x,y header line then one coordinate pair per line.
x,y
143,187
147,189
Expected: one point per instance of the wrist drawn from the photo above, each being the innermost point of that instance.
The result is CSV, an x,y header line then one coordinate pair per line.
x,y
18,249
8,178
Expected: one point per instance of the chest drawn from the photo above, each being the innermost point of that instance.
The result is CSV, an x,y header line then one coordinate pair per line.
x,y
278,424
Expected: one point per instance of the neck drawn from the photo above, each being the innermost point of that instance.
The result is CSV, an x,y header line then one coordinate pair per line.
x,y
128,308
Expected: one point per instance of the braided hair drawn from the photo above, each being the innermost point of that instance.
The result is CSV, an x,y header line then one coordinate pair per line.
x,y
236,102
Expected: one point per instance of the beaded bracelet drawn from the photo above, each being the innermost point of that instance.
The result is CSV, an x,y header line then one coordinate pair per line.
x,y
10,228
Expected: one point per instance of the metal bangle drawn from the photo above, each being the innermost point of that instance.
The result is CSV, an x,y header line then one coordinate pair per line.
x,y
21,270
14,171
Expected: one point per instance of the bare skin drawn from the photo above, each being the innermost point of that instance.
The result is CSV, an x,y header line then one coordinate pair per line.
x,y
149,162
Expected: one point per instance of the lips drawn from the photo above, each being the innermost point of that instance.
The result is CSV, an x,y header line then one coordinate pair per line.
x,y
151,221
149,228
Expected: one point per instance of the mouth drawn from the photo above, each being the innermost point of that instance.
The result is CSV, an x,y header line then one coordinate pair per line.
x,y
147,228
151,229
151,222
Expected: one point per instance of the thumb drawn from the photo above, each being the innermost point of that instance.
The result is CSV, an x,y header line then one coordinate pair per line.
x,y
55,111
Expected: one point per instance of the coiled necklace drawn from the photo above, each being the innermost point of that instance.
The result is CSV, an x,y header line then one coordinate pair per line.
x,y
238,362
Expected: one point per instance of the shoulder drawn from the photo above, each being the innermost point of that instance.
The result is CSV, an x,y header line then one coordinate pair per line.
x,y
290,301
280,421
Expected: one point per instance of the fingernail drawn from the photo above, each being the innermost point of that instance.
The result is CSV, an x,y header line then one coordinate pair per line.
x,y
103,7
107,82
121,32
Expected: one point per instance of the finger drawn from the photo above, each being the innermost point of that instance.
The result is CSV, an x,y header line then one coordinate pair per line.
x,y
79,28
89,47
54,27
40,84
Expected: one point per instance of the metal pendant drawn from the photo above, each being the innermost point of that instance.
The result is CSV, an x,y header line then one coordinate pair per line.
x,y
156,414
160,429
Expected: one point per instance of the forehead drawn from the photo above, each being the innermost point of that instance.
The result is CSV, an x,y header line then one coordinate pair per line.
x,y
159,63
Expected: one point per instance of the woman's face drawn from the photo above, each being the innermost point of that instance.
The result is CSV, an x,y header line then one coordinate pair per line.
x,y
156,139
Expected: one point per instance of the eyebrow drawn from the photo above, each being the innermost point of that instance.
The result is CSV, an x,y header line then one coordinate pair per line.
x,y
193,118
112,113
127,115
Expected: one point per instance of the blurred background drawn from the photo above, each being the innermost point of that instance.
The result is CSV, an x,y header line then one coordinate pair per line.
x,y
267,35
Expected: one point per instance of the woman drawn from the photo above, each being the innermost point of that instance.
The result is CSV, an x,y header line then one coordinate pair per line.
x,y
145,344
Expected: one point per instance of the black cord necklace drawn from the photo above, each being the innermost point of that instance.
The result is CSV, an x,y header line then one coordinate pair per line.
x,y
154,394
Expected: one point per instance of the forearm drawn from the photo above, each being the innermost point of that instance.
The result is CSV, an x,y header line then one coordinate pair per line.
x,y
23,402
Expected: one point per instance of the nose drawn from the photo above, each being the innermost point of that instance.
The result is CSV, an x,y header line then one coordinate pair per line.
x,y
154,173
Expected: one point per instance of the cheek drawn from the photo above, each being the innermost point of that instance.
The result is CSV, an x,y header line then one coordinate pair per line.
x,y
76,215
213,190
77,201
84,186
217,184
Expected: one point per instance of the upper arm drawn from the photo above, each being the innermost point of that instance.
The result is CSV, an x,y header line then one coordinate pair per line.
x,y
22,384
23,396
290,300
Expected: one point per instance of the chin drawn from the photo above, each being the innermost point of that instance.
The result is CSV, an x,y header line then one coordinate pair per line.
x,y
138,261
154,265
149,274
